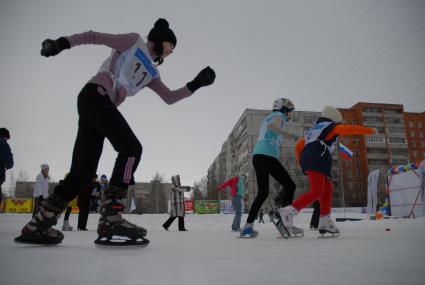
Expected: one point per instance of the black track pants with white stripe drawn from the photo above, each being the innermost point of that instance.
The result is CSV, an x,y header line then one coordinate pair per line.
x,y
99,118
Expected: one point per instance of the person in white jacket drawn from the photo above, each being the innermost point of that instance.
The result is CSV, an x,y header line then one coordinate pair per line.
x,y
177,204
41,187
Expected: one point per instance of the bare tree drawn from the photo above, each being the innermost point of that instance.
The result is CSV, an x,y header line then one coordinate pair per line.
x,y
23,176
197,194
200,188
158,196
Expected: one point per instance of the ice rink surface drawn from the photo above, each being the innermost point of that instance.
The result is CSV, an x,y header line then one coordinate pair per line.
x,y
209,253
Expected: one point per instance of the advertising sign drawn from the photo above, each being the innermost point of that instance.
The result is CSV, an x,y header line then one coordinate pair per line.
x,y
207,206
18,205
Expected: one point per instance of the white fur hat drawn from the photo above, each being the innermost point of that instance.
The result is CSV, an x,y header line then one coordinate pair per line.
x,y
332,113
44,166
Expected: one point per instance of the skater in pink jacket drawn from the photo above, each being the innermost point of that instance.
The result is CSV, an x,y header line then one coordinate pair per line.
x,y
132,65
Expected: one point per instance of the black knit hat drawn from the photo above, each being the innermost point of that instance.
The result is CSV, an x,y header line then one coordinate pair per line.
x,y
161,32
4,133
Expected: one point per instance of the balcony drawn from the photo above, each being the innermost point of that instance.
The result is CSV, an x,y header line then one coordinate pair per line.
x,y
371,114
373,124
377,155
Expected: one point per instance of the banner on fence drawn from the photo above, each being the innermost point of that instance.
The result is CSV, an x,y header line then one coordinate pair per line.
x,y
18,205
207,206
188,206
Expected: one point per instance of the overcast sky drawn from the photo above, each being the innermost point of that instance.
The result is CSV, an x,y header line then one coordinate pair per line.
x,y
313,52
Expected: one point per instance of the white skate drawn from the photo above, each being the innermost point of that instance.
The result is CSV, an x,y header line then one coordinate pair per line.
x,y
296,232
286,215
326,227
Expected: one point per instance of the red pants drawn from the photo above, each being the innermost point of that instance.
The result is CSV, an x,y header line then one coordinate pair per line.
x,y
320,189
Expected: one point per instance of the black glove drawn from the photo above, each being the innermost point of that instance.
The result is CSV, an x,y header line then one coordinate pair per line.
x,y
53,47
204,78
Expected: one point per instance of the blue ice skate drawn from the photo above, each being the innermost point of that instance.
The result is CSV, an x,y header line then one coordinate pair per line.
x,y
248,231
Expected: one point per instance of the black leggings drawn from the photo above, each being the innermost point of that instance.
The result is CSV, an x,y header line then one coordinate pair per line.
x,y
67,213
264,166
99,118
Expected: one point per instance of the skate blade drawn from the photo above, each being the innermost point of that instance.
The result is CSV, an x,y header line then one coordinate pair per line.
x,y
253,235
22,240
121,243
246,237
277,222
327,235
290,237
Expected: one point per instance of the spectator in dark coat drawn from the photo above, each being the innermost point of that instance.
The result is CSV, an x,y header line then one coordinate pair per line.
x,y
83,202
6,157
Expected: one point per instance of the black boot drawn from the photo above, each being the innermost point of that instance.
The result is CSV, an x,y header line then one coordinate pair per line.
x,y
168,223
181,225
112,228
39,230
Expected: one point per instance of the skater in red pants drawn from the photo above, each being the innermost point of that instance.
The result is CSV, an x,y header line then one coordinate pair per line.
x,y
314,153
132,65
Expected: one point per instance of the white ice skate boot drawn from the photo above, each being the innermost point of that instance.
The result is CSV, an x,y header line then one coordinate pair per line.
x,y
66,226
296,232
327,226
287,214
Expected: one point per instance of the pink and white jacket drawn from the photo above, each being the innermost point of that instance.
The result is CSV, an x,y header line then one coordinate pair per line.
x,y
112,71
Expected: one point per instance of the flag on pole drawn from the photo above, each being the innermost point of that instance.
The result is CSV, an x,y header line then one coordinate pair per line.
x,y
345,151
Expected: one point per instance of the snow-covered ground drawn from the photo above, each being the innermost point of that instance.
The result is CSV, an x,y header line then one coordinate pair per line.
x,y
365,253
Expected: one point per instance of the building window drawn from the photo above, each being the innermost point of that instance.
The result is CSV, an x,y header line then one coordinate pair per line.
x,y
309,120
398,161
415,154
395,130
372,120
419,125
396,140
356,141
392,111
399,151
371,110
374,139
421,134
422,143
377,161
411,124
412,134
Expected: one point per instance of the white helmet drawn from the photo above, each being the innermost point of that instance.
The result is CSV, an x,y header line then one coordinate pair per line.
x,y
332,113
284,105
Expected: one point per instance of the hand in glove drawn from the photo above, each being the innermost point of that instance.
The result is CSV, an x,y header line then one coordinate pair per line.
x,y
53,47
204,78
